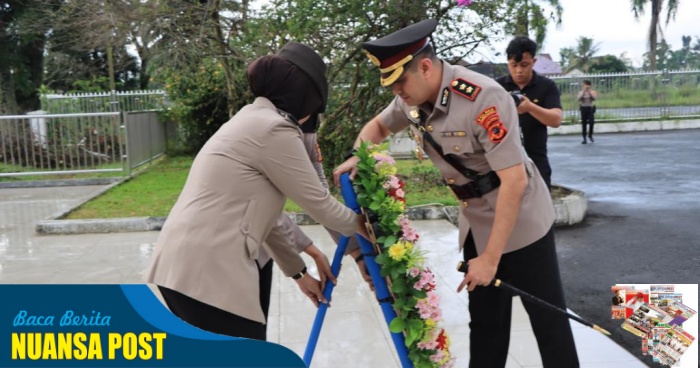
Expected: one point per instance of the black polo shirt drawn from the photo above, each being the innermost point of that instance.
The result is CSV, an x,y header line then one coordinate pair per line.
x,y
543,92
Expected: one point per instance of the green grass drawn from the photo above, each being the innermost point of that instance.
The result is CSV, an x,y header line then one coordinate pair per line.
x,y
154,192
151,193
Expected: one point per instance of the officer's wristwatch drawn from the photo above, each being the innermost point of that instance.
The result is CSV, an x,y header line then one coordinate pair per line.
x,y
300,274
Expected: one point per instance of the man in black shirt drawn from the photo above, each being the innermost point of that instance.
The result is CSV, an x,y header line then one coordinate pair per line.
x,y
540,102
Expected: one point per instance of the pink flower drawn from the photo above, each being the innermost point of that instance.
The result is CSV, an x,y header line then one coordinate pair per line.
x,y
400,193
438,356
394,182
433,299
381,157
424,309
413,272
427,280
464,2
427,345
410,234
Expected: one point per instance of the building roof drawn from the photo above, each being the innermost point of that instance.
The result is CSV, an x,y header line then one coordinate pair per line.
x,y
546,66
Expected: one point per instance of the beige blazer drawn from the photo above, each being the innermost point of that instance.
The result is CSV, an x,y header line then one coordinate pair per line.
x,y
458,121
235,191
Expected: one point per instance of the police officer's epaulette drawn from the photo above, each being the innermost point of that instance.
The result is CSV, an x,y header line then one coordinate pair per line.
x,y
465,89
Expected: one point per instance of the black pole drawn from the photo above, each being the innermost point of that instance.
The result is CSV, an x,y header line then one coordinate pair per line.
x,y
464,267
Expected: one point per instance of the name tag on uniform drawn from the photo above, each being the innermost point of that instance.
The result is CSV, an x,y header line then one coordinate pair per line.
x,y
454,134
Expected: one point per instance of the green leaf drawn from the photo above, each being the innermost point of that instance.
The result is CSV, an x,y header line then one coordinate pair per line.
x,y
389,241
398,287
418,294
397,325
416,324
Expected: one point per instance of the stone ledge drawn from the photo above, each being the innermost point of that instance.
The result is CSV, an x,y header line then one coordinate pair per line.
x,y
631,126
569,210
99,226
59,182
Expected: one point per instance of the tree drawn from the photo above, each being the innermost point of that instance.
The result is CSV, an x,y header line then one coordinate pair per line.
x,y
531,19
655,29
23,33
337,29
607,64
581,56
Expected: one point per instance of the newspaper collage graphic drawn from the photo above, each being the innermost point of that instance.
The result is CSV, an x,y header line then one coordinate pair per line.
x,y
663,316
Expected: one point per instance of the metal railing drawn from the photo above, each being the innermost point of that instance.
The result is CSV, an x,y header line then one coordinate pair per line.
x,y
145,138
52,144
104,102
43,144
635,96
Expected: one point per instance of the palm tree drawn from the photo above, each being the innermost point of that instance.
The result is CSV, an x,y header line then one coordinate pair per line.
x,y
531,17
580,56
655,25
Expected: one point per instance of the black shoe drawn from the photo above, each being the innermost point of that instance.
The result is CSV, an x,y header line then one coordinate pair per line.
x,y
584,142
591,138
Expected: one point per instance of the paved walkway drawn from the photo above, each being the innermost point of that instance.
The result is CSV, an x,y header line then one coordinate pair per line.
x,y
354,335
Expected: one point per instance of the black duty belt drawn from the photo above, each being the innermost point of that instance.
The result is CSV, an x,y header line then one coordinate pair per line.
x,y
477,188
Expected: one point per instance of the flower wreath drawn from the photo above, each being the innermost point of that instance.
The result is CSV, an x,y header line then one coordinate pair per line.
x,y
380,192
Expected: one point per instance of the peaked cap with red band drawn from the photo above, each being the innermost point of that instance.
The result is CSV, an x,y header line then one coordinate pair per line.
x,y
391,53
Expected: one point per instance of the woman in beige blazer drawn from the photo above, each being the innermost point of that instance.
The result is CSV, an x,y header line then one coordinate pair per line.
x,y
204,261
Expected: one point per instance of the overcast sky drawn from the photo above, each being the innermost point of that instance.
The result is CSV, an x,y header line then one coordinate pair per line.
x,y
611,23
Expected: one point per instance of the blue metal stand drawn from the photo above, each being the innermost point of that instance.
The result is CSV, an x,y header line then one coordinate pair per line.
x,y
380,286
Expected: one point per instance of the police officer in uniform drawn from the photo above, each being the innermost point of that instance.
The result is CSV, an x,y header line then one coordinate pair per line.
x,y
539,101
468,126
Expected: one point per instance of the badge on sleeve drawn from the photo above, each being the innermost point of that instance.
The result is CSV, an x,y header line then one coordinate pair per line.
x,y
491,121
465,89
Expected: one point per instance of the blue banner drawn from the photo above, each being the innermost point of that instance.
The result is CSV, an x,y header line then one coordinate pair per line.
x,y
115,326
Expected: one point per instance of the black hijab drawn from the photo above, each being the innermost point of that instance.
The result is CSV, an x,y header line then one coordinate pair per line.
x,y
285,85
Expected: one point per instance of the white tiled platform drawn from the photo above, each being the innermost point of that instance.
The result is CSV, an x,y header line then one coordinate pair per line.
x,y
355,333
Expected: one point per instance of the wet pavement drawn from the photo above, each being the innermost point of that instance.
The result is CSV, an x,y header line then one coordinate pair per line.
x,y
642,220
641,227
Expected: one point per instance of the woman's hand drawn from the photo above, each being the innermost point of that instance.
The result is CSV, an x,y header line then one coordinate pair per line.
x,y
311,288
362,227
322,264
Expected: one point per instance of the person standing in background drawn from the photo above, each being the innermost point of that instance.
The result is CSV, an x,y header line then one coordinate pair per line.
x,y
539,104
586,99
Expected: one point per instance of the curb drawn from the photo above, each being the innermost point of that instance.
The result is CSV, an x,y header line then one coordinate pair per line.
x,y
99,226
626,127
569,210
59,183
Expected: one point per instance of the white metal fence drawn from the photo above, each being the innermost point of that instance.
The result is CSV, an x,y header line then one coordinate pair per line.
x,y
635,96
104,102
42,144
53,144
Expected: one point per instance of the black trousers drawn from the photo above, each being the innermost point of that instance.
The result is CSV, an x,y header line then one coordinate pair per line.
x,y
587,119
533,269
212,319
